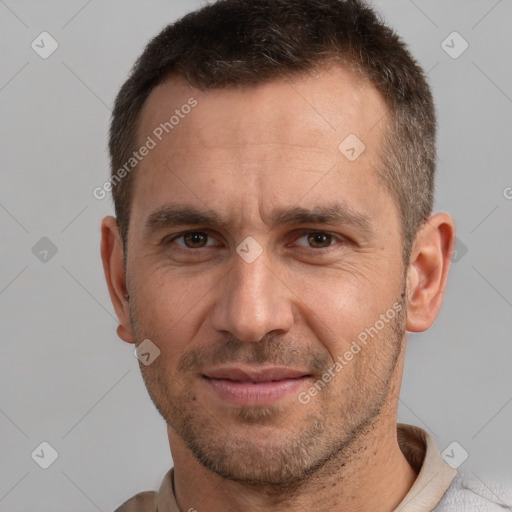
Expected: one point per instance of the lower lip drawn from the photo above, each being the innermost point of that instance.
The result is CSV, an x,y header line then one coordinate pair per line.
x,y
252,393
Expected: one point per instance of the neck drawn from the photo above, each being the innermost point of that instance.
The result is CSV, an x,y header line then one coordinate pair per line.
x,y
375,477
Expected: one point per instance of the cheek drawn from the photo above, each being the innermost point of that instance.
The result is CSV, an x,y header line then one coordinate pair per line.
x,y
337,306
170,309
167,296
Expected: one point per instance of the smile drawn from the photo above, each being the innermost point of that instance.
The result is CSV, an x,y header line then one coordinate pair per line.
x,y
254,387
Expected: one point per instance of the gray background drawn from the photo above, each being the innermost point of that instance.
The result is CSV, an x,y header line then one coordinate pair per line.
x,y
66,377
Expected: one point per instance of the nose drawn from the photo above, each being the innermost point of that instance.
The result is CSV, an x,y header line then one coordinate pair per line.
x,y
253,301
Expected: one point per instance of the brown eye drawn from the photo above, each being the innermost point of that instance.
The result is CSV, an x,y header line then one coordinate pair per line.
x,y
319,240
194,239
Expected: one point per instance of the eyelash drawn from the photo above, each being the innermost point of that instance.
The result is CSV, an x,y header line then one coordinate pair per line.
x,y
341,239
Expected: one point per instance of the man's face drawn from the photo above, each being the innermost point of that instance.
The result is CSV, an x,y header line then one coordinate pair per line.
x,y
245,334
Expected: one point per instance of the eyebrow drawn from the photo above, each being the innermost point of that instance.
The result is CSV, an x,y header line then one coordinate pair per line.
x,y
181,214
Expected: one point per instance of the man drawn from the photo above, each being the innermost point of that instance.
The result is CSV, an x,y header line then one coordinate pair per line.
x,y
273,171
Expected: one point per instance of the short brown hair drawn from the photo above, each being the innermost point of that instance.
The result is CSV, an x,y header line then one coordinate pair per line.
x,y
246,42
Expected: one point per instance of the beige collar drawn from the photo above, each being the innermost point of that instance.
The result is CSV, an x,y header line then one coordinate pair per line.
x,y
435,475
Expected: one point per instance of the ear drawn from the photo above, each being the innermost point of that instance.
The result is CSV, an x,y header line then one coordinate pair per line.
x,y
113,266
428,271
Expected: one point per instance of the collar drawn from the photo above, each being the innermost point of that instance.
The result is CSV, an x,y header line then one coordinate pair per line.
x,y
434,474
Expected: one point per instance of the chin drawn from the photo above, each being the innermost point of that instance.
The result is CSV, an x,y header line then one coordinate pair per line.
x,y
254,449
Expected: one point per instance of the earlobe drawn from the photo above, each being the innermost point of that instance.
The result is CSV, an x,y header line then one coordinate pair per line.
x,y
113,267
428,271
124,334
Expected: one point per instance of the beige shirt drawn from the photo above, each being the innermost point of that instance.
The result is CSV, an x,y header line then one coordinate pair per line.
x,y
434,478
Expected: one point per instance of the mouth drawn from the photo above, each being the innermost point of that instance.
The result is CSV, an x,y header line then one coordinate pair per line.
x,y
254,386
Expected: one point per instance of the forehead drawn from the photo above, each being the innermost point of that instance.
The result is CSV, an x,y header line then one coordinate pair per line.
x,y
329,101
286,141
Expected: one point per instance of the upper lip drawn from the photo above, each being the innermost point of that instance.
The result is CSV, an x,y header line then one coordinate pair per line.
x,y
255,374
